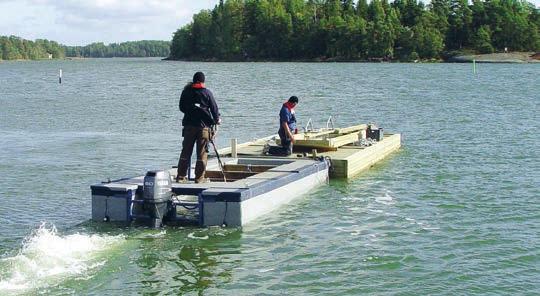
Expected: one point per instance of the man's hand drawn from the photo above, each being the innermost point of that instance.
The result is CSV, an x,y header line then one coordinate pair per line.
x,y
291,136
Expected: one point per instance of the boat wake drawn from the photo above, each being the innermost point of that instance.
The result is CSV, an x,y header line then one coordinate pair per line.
x,y
47,258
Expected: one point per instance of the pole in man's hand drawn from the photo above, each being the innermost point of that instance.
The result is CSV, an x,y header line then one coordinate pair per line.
x,y
212,135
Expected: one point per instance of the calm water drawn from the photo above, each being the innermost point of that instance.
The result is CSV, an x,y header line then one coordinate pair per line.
x,y
455,212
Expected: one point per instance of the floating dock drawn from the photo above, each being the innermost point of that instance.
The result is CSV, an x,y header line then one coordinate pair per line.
x,y
249,184
342,146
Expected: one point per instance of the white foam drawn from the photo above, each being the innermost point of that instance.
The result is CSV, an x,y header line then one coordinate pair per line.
x,y
47,258
387,199
193,236
162,233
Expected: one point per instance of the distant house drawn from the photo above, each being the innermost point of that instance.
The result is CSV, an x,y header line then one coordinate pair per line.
x,y
50,55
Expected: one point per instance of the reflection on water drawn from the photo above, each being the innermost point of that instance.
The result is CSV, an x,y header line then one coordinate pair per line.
x,y
191,264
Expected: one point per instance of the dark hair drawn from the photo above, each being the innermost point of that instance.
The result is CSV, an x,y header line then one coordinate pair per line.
x,y
293,99
198,77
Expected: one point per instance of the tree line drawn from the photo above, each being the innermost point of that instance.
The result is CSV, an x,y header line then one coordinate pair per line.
x,y
144,48
16,48
356,30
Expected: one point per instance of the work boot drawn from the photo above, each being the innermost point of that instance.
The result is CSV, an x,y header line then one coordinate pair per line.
x,y
266,149
202,180
181,180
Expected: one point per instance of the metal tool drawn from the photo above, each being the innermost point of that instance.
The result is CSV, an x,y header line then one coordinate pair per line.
x,y
221,167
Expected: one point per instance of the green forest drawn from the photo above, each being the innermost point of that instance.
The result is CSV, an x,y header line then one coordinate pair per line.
x,y
145,48
356,30
16,48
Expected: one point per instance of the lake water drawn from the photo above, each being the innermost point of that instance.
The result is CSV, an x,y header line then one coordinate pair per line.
x,y
455,212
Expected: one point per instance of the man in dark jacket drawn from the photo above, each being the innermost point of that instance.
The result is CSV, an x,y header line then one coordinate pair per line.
x,y
200,113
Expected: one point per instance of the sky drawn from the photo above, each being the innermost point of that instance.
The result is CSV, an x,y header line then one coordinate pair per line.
x,y
82,22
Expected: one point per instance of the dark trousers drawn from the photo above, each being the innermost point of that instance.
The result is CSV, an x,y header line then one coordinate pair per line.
x,y
194,135
286,146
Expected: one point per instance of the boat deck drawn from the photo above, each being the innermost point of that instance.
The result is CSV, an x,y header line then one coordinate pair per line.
x,y
251,183
254,186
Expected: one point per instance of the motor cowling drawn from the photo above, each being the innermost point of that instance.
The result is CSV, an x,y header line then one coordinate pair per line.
x,y
154,202
157,186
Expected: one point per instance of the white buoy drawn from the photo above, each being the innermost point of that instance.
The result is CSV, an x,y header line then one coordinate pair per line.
x,y
60,76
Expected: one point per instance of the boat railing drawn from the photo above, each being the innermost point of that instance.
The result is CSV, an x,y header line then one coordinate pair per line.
x,y
308,125
329,122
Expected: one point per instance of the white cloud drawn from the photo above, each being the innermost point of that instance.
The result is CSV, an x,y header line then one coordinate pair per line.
x,y
82,22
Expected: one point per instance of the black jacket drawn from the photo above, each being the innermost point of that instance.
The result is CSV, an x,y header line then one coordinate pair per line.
x,y
199,107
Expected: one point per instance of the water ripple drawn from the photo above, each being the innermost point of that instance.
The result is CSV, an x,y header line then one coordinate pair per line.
x,y
453,212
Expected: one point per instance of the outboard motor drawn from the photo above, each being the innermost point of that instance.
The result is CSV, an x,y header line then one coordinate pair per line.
x,y
157,192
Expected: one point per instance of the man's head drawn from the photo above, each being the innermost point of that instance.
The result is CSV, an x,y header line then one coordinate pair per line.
x,y
293,100
198,77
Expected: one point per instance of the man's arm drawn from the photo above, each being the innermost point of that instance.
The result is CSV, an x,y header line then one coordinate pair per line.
x,y
285,127
213,108
183,102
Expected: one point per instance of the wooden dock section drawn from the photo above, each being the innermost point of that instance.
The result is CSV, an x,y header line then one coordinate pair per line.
x,y
339,145
350,160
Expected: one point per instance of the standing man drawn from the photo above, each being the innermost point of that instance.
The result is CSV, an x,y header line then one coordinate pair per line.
x,y
287,127
200,113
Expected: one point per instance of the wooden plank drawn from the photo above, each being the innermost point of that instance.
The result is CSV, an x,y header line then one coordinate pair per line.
x,y
301,149
314,135
343,140
218,175
354,128
328,138
339,168
348,162
334,142
371,155
312,143
262,141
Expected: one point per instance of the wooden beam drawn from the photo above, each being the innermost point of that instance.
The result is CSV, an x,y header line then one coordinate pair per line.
x,y
347,130
312,135
262,141
343,140
218,175
330,142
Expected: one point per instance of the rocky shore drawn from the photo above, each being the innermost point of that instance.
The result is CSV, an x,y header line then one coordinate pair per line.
x,y
510,57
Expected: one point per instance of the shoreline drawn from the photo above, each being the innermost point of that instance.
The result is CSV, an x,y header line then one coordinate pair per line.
x,y
314,60
78,58
511,57
506,58
501,58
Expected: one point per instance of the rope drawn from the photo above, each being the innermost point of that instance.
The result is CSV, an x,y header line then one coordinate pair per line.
x,y
225,214
106,218
178,203
158,213
191,208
